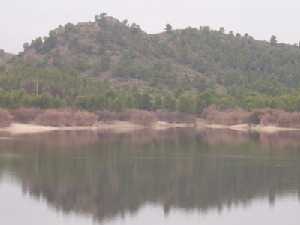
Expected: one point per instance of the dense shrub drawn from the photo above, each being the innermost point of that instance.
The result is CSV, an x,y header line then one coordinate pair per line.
x,y
227,117
66,117
175,117
140,117
279,118
84,118
106,115
25,115
265,117
5,118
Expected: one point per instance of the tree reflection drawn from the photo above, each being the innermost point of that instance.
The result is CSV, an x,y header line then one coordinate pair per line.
x,y
106,175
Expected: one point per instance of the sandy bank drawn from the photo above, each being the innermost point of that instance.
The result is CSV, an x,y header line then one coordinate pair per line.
x,y
113,126
116,126
248,128
125,127
161,125
271,129
17,128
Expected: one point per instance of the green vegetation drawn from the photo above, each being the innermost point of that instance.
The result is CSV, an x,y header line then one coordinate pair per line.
x,y
113,65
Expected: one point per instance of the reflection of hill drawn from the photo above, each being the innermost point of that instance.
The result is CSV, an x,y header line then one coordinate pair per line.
x,y
105,175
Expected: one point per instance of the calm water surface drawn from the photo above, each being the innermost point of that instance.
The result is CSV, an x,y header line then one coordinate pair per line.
x,y
174,177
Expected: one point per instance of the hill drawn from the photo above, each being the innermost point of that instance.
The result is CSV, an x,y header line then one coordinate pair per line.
x,y
173,69
190,58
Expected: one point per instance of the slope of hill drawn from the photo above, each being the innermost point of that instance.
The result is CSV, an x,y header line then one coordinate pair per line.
x,y
109,49
108,64
192,58
4,57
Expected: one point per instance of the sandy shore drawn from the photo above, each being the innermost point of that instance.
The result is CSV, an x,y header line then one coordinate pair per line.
x,y
253,128
118,126
18,128
125,127
202,124
114,127
271,129
161,125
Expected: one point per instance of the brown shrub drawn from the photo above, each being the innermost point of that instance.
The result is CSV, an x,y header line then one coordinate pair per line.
x,y
140,117
66,117
5,118
107,116
277,117
175,117
227,117
25,115
265,117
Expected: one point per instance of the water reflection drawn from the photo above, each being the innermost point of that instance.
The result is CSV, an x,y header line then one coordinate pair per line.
x,y
106,176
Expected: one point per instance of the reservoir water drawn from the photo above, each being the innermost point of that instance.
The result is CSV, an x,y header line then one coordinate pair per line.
x,y
168,177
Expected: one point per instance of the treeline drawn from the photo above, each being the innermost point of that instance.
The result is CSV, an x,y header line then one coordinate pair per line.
x,y
24,86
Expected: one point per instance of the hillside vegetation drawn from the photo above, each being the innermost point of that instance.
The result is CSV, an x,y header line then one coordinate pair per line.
x,y
113,65
4,57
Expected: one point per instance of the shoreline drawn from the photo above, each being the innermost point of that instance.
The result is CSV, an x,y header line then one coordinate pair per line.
x,y
113,127
126,127
251,128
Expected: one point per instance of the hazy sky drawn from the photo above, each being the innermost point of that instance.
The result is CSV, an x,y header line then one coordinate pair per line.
x,y
23,20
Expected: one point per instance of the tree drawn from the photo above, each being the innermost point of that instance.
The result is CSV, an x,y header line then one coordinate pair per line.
x,y
205,28
168,28
254,118
105,63
238,35
50,42
135,28
186,103
37,44
169,102
96,18
144,101
273,40
157,104
69,27
222,30
103,15
125,22
26,46
100,17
